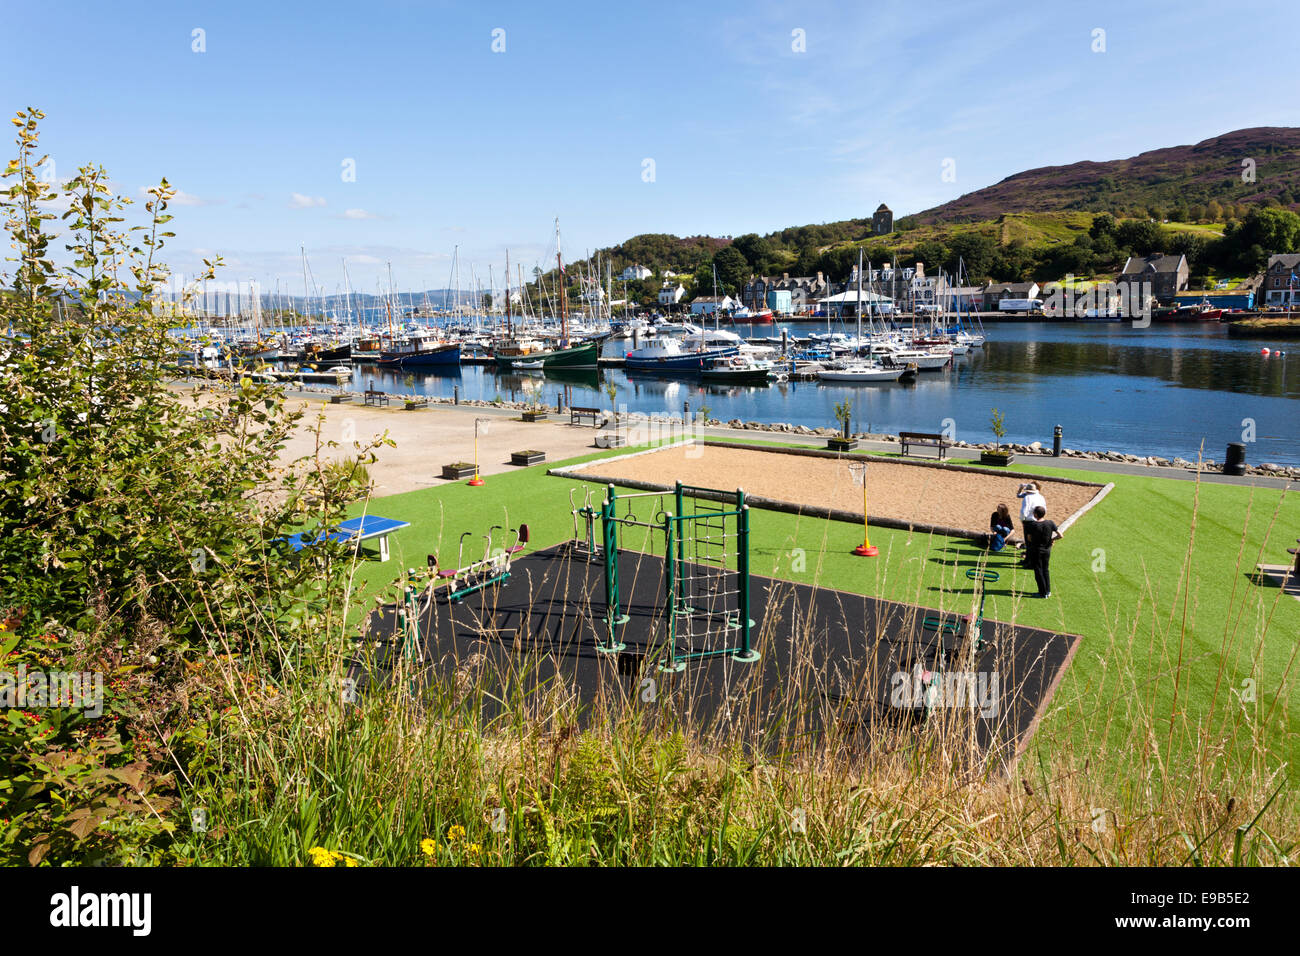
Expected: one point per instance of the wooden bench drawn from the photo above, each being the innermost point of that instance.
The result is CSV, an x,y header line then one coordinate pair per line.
x,y
374,397
1295,552
577,413
924,440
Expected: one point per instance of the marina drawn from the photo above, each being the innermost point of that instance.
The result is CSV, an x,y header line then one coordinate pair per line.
x,y
1197,383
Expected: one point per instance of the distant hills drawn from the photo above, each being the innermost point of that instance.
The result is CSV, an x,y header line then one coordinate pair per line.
x,y
1175,176
1036,224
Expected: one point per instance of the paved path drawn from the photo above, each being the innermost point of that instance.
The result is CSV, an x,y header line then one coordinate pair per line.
x,y
428,438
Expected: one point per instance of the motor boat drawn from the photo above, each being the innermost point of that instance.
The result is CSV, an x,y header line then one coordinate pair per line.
x,y
738,368
862,372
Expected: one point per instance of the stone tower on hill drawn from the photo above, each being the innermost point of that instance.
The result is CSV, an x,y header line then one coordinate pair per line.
x,y
882,223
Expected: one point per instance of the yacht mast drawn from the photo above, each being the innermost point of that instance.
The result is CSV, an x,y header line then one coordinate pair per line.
x,y
564,317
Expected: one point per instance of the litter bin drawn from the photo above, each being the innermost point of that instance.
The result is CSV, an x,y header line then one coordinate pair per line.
x,y
1234,460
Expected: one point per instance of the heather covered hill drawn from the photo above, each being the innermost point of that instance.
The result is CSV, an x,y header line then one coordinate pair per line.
x,y
1175,175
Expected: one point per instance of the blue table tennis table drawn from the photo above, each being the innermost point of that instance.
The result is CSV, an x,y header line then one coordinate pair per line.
x,y
355,531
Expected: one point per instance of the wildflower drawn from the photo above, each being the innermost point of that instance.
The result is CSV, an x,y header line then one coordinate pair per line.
x,y
321,856
455,832
428,847
473,851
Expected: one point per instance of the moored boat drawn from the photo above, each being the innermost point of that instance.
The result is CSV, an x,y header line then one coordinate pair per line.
x,y
861,373
737,368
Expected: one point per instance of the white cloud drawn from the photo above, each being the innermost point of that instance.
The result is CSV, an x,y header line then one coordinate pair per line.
x,y
359,214
299,201
182,198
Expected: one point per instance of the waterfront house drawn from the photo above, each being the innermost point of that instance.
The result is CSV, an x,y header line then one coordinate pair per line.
x,y
709,304
670,295
962,298
926,291
995,292
899,283
756,293
780,301
634,272
1157,275
1281,287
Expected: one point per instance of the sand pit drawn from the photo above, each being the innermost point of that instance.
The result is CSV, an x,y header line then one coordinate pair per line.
x,y
942,497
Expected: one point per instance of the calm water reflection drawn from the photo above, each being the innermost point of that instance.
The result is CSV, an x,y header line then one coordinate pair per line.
x,y
1158,391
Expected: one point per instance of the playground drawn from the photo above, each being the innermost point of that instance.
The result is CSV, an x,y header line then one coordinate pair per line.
x,y
904,494
1124,566
676,626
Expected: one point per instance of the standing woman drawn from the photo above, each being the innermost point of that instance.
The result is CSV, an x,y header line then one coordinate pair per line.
x,y
1039,549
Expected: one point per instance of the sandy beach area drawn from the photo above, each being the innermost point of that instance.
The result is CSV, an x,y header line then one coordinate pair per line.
x,y
425,439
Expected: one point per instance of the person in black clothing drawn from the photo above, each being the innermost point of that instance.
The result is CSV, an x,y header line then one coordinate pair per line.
x,y
1039,535
999,528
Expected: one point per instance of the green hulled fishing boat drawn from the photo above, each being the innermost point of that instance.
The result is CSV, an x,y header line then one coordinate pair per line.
x,y
582,355
575,356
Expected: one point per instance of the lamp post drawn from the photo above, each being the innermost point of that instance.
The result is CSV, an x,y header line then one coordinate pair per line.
x,y
477,479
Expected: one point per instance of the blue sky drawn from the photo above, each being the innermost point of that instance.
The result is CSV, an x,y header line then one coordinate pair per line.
x,y
455,144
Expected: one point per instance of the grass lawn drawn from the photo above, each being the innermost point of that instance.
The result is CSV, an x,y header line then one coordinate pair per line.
x,y
1171,633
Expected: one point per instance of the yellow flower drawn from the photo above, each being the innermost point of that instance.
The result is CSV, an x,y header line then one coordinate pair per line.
x,y
455,832
428,847
473,850
321,856
349,861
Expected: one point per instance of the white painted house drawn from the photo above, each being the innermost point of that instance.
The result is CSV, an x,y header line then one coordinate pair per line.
x,y
707,304
634,272
670,294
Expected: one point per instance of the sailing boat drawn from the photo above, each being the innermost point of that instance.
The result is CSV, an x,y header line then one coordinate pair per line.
x,y
583,355
861,371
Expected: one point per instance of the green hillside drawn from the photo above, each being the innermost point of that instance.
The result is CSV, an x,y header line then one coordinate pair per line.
x,y
1085,218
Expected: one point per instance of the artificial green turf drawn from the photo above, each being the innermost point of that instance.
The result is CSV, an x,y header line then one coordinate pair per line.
x,y
1116,579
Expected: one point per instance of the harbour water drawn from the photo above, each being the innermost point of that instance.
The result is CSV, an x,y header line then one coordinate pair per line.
x,y
1160,391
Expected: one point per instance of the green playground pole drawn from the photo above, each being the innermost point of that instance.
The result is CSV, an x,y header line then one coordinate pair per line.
x,y
747,653
670,593
609,532
681,543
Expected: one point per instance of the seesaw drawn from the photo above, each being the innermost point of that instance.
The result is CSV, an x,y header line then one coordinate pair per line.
x,y
492,569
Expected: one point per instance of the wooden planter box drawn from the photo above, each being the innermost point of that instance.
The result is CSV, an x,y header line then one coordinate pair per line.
x,y
340,399
996,457
529,456
534,416
841,444
458,469
416,403
610,440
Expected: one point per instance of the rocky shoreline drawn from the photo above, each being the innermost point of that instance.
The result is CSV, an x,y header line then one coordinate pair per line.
x,y
1034,449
